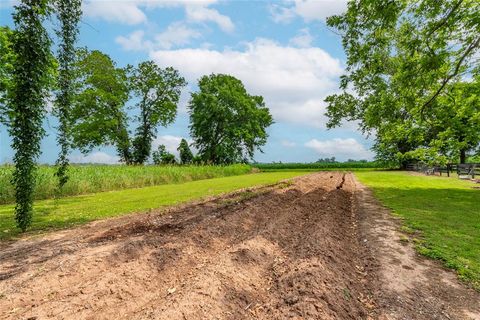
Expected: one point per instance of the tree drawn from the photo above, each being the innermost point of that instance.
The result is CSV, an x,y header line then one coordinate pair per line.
x,y
162,156
186,155
327,160
98,117
456,124
158,91
402,56
226,123
69,13
30,84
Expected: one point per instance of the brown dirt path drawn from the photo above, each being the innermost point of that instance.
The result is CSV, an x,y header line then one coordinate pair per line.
x,y
408,286
285,252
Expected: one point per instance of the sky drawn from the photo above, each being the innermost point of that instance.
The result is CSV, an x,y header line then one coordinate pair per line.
x,y
281,50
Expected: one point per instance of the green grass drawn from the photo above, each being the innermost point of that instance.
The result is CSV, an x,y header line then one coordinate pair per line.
x,y
444,211
69,211
85,179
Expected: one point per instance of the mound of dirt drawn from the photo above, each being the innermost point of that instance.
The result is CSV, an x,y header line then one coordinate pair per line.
x,y
291,251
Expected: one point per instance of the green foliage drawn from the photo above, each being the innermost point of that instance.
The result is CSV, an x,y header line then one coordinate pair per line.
x,y
403,60
97,116
445,211
67,212
327,160
321,166
86,179
69,13
226,123
7,58
186,155
197,160
32,78
162,156
158,91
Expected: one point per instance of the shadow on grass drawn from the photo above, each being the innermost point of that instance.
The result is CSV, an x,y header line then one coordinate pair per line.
x,y
44,218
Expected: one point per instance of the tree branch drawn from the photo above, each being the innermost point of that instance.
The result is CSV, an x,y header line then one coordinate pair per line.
x,y
472,46
446,17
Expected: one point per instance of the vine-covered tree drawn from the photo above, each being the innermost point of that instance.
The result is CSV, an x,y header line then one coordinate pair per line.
x,y
98,117
186,155
158,91
7,58
402,56
226,123
30,84
69,13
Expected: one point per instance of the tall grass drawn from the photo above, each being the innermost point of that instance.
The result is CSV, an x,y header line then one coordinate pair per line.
x,y
86,179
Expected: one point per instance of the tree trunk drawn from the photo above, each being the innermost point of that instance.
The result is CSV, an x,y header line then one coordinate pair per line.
x,y
463,156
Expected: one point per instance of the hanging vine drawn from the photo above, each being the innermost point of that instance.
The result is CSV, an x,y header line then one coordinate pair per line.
x,y
32,76
69,13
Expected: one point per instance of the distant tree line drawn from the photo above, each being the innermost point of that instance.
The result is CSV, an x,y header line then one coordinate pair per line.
x,y
97,103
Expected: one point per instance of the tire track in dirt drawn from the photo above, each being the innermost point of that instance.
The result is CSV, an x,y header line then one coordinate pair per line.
x,y
291,251
407,285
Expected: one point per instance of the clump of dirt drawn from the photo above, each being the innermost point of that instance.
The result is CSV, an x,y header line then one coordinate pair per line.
x,y
292,251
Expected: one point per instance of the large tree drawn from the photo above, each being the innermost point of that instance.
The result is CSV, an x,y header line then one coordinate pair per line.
x,y
158,91
69,13
30,85
402,56
227,124
98,117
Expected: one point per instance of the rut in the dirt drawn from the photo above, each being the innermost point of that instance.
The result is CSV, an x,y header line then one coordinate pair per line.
x,y
286,253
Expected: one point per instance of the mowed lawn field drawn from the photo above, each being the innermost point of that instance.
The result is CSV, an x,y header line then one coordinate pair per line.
x,y
69,211
441,214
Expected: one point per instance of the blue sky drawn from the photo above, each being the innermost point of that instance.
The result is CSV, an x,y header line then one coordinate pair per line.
x,y
281,50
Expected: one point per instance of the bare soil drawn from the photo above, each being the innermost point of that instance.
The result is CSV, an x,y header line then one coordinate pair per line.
x,y
318,248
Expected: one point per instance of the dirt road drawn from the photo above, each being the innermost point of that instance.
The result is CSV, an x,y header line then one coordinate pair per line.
x,y
318,248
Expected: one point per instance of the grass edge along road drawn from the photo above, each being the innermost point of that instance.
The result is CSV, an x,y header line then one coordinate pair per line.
x,y
441,215
69,211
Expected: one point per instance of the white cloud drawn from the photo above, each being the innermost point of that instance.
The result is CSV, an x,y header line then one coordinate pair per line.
x,y
131,11
95,157
202,14
303,39
288,143
126,12
309,10
134,41
281,14
340,149
293,81
176,34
